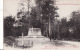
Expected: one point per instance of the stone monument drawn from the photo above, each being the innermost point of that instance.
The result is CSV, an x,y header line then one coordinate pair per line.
x,y
33,38
34,32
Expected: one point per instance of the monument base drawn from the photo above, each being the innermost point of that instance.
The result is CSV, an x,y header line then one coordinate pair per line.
x,y
30,36
34,32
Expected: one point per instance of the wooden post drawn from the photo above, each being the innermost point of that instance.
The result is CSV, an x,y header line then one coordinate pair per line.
x,y
22,40
13,45
49,26
58,32
32,43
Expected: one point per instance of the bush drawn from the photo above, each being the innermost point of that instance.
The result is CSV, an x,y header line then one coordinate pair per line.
x,y
9,40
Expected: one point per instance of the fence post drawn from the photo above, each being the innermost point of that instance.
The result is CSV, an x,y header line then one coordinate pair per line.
x,y
13,45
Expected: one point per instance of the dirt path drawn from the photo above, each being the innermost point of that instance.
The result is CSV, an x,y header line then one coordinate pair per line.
x,y
46,44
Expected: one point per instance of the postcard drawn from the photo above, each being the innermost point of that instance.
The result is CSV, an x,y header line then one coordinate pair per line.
x,y
41,24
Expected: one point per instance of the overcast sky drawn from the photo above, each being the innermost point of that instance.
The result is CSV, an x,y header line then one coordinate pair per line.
x,y
65,7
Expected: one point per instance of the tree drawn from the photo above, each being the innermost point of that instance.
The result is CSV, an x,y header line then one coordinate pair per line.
x,y
45,12
74,24
8,26
46,9
23,22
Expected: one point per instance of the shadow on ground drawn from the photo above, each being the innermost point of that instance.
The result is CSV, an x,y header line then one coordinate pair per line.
x,y
58,43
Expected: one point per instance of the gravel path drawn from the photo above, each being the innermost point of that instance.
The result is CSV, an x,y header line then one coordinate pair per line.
x,y
46,44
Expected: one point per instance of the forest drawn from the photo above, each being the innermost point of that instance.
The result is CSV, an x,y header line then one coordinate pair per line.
x,y
44,16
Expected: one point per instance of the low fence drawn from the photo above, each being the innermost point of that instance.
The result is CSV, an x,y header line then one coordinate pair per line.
x,y
23,44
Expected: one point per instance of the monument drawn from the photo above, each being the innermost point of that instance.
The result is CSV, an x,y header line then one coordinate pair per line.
x,y
34,37
34,32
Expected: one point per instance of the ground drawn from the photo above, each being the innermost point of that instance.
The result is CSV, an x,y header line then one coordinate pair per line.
x,y
44,43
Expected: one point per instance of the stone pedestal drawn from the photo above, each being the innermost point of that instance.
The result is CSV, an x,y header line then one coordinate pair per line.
x,y
34,32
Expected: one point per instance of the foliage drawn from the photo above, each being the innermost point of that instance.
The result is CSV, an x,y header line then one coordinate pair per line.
x,y
8,25
9,40
74,24
44,10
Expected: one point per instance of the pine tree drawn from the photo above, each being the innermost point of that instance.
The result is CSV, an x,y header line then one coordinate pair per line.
x,y
46,12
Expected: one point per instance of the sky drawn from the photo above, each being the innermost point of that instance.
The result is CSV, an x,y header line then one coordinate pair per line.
x,y
65,7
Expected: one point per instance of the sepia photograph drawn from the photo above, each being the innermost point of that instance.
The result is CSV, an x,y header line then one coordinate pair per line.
x,y
41,24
